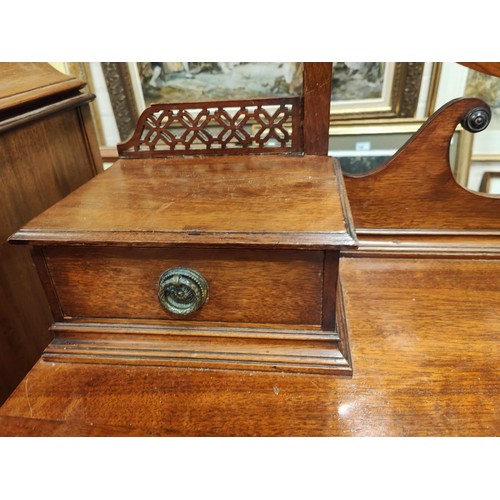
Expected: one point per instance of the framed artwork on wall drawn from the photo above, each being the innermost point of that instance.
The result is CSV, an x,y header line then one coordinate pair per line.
x,y
134,86
391,90
485,174
203,81
365,90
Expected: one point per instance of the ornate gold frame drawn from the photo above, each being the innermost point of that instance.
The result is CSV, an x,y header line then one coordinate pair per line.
x,y
433,88
121,94
405,91
403,101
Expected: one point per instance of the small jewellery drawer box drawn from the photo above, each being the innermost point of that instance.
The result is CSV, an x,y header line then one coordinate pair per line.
x,y
201,261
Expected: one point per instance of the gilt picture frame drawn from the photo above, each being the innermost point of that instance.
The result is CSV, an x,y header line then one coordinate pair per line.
x,y
135,85
381,90
125,83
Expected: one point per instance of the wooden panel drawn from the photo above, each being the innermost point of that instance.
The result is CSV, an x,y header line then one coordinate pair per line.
x,y
244,286
42,160
424,342
330,284
415,192
24,83
41,163
266,200
317,96
15,426
24,317
490,68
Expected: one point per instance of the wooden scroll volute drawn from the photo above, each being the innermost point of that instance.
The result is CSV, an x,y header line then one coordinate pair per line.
x,y
415,189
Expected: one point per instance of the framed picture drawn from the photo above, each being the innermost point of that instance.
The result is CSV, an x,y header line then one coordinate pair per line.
x,y
485,174
363,148
392,90
134,86
490,183
364,90
205,81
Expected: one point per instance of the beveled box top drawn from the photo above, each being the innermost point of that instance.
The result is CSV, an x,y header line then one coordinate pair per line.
x,y
24,83
260,200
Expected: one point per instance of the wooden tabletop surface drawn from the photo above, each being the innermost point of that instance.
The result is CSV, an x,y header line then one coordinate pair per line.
x,y
424,337
251,200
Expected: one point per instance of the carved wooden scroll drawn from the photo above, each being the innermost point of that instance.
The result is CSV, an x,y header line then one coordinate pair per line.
x,y
217,128
413,201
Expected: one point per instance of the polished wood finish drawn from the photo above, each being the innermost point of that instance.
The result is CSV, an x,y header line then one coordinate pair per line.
x,y
265,231
254,350
425,364
48,149
245,286
490,68
413,202
262,200
255,126
317,94
423,341
16,426
27,85
411,191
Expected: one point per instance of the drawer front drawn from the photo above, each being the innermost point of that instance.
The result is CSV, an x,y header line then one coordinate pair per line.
x,y
244,286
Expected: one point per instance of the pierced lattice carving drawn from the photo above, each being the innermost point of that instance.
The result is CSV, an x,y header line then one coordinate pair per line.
x,y
224,127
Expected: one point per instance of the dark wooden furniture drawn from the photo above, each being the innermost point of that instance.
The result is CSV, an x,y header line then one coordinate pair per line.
x,y
489,68
423,316
412,205
48,149
267,250
212,242
424,342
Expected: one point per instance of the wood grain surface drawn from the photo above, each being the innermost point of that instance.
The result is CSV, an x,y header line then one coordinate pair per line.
x,y
208,128
415,190
490,68
45,154
317,95
424,342
267,200
246,286
22,84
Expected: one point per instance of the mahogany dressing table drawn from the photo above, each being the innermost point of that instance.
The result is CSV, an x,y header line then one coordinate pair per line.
x,y
421,305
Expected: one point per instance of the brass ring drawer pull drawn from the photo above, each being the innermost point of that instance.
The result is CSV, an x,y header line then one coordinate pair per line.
x,y
182,290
